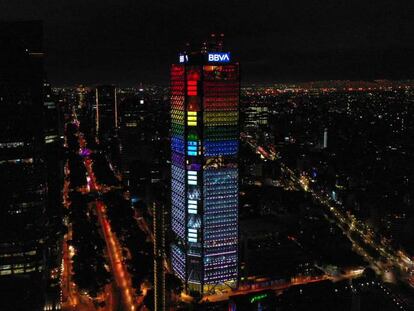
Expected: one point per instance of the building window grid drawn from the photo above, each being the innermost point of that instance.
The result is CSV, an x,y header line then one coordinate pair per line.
x,y
178,176
223,235
219,227
228,261
217,207
217,99
178,160
178,261
212,183
178,228
226,242
214,207
223,191
178,204
228,250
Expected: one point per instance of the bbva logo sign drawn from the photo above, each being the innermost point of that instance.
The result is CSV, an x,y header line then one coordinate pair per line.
x,y
183,58
219,57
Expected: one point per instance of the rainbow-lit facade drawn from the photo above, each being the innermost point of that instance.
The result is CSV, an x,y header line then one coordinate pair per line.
x,y
204,186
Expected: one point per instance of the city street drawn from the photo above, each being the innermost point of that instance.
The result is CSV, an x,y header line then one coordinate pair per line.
x,y
121,289
348,223
223,296
118,266
71,298
388,258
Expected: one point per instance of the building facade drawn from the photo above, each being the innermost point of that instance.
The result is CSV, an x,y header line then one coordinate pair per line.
x,y
256,115
106,111
204,167
23,167
133,134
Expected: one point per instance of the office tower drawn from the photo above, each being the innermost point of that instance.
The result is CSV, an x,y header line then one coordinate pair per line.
x,y
86,104
256,114
52,127
53,136
106,111
204,167
133,134
254,111
23,171
84,98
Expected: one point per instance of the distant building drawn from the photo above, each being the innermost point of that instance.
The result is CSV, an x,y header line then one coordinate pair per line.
x,y
84,97
256,114
132,131
86,104
106,111
142,123
204,169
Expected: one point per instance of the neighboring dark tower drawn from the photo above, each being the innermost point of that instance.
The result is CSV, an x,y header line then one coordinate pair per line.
x,y
204,167
23,171
133,133
53,136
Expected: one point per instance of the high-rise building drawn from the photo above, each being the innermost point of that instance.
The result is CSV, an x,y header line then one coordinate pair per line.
x,y
23,170
106,110
204,187
86,104
53,155
53,119
133,133
255,111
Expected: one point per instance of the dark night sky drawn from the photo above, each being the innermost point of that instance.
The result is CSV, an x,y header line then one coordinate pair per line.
x,y
128,41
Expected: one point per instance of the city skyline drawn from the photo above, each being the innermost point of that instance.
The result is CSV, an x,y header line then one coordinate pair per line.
x,y
89,42
208,156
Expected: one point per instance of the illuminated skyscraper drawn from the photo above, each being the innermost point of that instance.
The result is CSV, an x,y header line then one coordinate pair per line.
x,y
204,186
